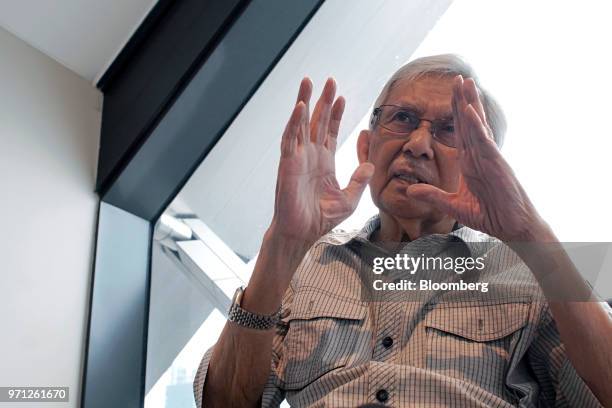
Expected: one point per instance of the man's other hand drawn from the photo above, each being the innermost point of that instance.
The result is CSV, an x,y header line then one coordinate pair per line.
x,y
309,201
490,198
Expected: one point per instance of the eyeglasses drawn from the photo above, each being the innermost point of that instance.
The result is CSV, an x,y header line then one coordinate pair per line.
x,y
403,120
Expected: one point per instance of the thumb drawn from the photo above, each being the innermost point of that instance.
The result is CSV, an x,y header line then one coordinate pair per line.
x,y
438,198
359,180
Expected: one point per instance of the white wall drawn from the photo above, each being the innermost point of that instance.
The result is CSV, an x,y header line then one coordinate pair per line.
x,y
49,133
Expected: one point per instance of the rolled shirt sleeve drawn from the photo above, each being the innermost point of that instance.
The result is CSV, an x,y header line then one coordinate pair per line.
x,y
272,395
200,378
560,384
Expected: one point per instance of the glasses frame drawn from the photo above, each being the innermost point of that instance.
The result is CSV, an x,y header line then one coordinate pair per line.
x,y
435,123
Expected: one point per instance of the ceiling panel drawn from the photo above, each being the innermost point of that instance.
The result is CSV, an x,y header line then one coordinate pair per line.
x,y
83,35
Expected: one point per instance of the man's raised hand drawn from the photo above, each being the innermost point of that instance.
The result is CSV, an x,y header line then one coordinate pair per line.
x,y
309,201
490,197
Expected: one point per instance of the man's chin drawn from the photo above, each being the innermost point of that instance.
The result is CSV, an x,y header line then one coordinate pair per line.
x,y
404,206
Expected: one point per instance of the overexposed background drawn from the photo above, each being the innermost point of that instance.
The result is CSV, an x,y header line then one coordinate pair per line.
x,y
548,64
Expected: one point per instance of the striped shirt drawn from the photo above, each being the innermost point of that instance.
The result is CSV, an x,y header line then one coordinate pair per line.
x,y
341,344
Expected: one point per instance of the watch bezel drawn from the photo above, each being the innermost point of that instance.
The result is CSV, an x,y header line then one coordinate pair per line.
x,y
237,298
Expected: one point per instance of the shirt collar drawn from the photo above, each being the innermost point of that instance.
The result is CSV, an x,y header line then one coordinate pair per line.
x,y
473,239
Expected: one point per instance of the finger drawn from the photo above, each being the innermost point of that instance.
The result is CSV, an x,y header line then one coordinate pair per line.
x,y
334,124
471,158
289,138
459,83
480,138
480,123
473,98
458,119
455,107
303,134
471,164
325,116
304,94
305,91
359,180
276,191
435,197
314,120
478,150
320,117
461,103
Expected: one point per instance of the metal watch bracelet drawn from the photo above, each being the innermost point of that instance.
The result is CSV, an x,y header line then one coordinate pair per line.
x,y
248,319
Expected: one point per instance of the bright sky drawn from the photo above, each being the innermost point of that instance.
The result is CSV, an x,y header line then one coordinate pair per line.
x,y
546,63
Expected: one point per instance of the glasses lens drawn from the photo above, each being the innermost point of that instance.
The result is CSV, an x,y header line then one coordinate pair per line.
x,y
445,134
402,120
399,120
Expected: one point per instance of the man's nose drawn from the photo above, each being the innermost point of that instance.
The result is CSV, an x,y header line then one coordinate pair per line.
x,y
419,143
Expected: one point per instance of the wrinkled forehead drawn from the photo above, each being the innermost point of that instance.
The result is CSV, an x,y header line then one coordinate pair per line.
x,y
428,95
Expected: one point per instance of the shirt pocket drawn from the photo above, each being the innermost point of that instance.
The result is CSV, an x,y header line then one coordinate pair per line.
x,y
321,337
474,343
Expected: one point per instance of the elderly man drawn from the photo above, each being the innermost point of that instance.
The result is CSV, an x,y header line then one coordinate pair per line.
x,y
308,328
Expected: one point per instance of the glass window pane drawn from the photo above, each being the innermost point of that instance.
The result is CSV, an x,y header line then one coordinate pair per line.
x,y
537,74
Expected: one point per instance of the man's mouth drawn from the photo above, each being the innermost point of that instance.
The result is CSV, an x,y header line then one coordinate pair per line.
x,y
409,178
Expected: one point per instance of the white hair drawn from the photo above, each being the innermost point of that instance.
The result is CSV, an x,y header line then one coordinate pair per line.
x,y
447,65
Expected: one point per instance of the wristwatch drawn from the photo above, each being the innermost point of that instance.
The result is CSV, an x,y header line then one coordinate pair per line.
x,y
245,318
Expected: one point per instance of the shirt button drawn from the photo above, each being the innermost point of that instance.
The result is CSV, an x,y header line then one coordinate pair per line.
x,y
387,342
382,395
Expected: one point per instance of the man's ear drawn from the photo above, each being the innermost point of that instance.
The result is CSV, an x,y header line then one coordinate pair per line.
x,y
363,145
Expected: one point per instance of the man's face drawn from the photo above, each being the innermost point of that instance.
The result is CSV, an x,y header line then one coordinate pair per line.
x,y
403,160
